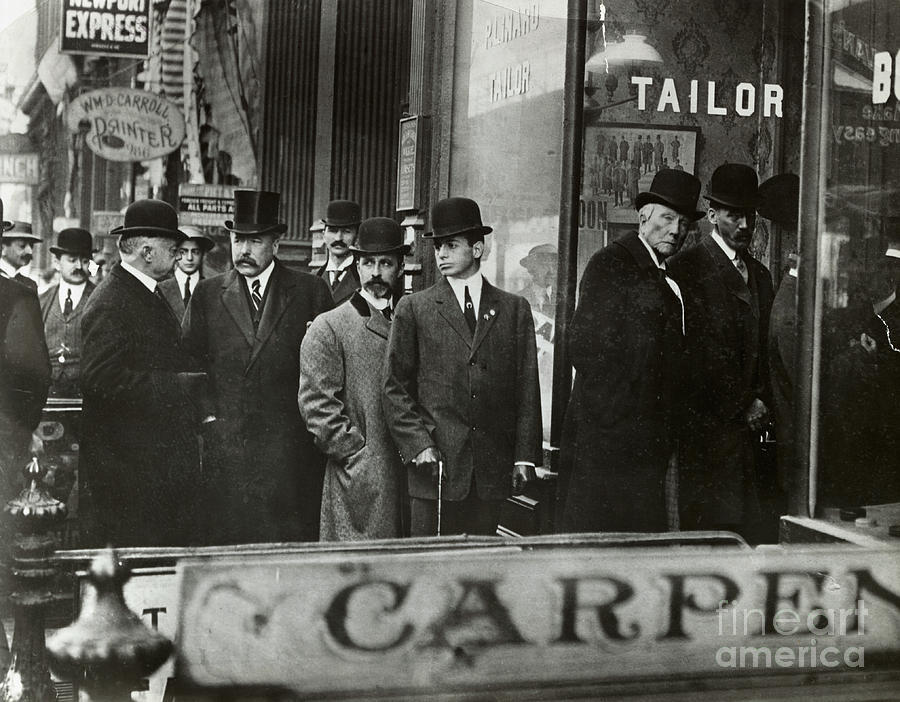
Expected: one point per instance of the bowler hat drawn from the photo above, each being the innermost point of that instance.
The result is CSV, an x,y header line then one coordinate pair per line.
x,y
150,218
256,212
454,216
379,235
673,188
75,241
734,185
4,225
193,233
545,252
342,213
779,199
21,230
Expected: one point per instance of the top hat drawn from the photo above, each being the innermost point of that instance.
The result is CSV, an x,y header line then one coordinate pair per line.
x,y
734,185
20,230
74,241
379,235
150,218
256,212
193,233
673,188
546,252
779,199
4,225
342,213
456,215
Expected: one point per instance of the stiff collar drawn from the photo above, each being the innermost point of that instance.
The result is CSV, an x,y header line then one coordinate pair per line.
x,y
263,278
377,303
144,279
475,283
331,265
77,293
653,256
181,276
730,252
7,269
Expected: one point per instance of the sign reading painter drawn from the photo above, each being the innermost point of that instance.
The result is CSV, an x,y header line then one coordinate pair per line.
x,y
106,27
124,124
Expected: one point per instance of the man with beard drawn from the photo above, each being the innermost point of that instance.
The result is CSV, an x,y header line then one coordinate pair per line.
x,y
62,306
188,269
245,328
728,298
341,376
16,252
342,220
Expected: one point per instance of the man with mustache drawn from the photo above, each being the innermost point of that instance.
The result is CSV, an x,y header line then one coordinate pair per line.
x,y
62,306
728,298
341,221
16,251
244,328
341,376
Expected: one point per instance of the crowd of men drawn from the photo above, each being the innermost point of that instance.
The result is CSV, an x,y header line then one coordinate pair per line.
x,y
271,405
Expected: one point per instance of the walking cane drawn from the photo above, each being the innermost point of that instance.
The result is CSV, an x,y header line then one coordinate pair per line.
x,y
440,477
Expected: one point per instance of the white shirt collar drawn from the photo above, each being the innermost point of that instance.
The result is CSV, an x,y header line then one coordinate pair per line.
x,y
669,281
475,283
77,292
144,279
730,252
7,269
653,256
332,265
378,303
181,276
263,278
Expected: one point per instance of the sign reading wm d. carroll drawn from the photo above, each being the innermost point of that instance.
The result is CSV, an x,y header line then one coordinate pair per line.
x,y
106,27
436,622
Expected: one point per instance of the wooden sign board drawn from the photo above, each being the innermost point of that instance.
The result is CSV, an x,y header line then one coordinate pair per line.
x,y
421,623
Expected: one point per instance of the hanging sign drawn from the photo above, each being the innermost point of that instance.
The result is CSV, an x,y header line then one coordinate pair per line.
x,y
124,124
105,27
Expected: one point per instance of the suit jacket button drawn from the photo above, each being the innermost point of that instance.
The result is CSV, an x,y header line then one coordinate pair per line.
x,y
472,362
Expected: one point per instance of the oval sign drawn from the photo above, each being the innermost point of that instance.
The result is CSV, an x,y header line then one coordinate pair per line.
x,y
124,124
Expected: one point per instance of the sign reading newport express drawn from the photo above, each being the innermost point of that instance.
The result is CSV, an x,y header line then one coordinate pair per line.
x,y
106,27
437,622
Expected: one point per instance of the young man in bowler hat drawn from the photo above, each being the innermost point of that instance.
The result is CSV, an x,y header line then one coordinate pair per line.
x,y
728,297
16,251
244,328
341,221
341,378
627,344
62,306
139,456
461,384
188,269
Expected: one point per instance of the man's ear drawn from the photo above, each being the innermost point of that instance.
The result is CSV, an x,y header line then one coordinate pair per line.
x,y
711,216
478,249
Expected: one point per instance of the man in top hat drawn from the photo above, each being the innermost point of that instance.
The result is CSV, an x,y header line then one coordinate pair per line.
x,y
139,456
461,387
188,269
626,343
16,251
728,297
341,378
342,220
62,306
245,327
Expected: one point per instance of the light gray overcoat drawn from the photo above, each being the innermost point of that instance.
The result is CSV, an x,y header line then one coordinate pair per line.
x,y
341,376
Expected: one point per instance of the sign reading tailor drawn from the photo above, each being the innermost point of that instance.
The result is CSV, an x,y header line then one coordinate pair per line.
x,y
127,125
106,27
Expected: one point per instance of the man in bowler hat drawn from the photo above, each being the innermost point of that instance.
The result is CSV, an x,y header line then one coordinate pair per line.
x,y
139,455
244,328
341,377
728,296
341,221
626,343
17,243
461,384
62,306
188,269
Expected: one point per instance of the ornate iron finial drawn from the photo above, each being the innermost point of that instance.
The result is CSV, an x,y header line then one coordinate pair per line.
x,y
108,645
34,510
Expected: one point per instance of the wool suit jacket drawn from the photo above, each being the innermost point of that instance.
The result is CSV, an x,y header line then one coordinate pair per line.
x,y
139,455
341,377
626,344
347,285
60,330
727,335
174,295
266,473
475,397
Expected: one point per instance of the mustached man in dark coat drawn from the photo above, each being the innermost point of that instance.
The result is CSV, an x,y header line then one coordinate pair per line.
x,y
245,328
626,344
341,222
139,453
17,244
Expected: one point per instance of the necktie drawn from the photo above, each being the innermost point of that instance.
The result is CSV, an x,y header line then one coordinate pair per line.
x,y
335,278
387,313
469,310
741,266
68,306
187,291
256,295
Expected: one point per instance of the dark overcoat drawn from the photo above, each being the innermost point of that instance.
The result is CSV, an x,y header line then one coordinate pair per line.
x,y
266,472
626,345
726,335
475,397
60,330
174,295
139,462
347,285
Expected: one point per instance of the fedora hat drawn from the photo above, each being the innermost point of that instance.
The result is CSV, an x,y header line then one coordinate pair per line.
x,y
4,225
779,199
256,212
673,188
537,253
380,235
455,215
342,213
734,185
21,230
193,233
74,241
150,218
